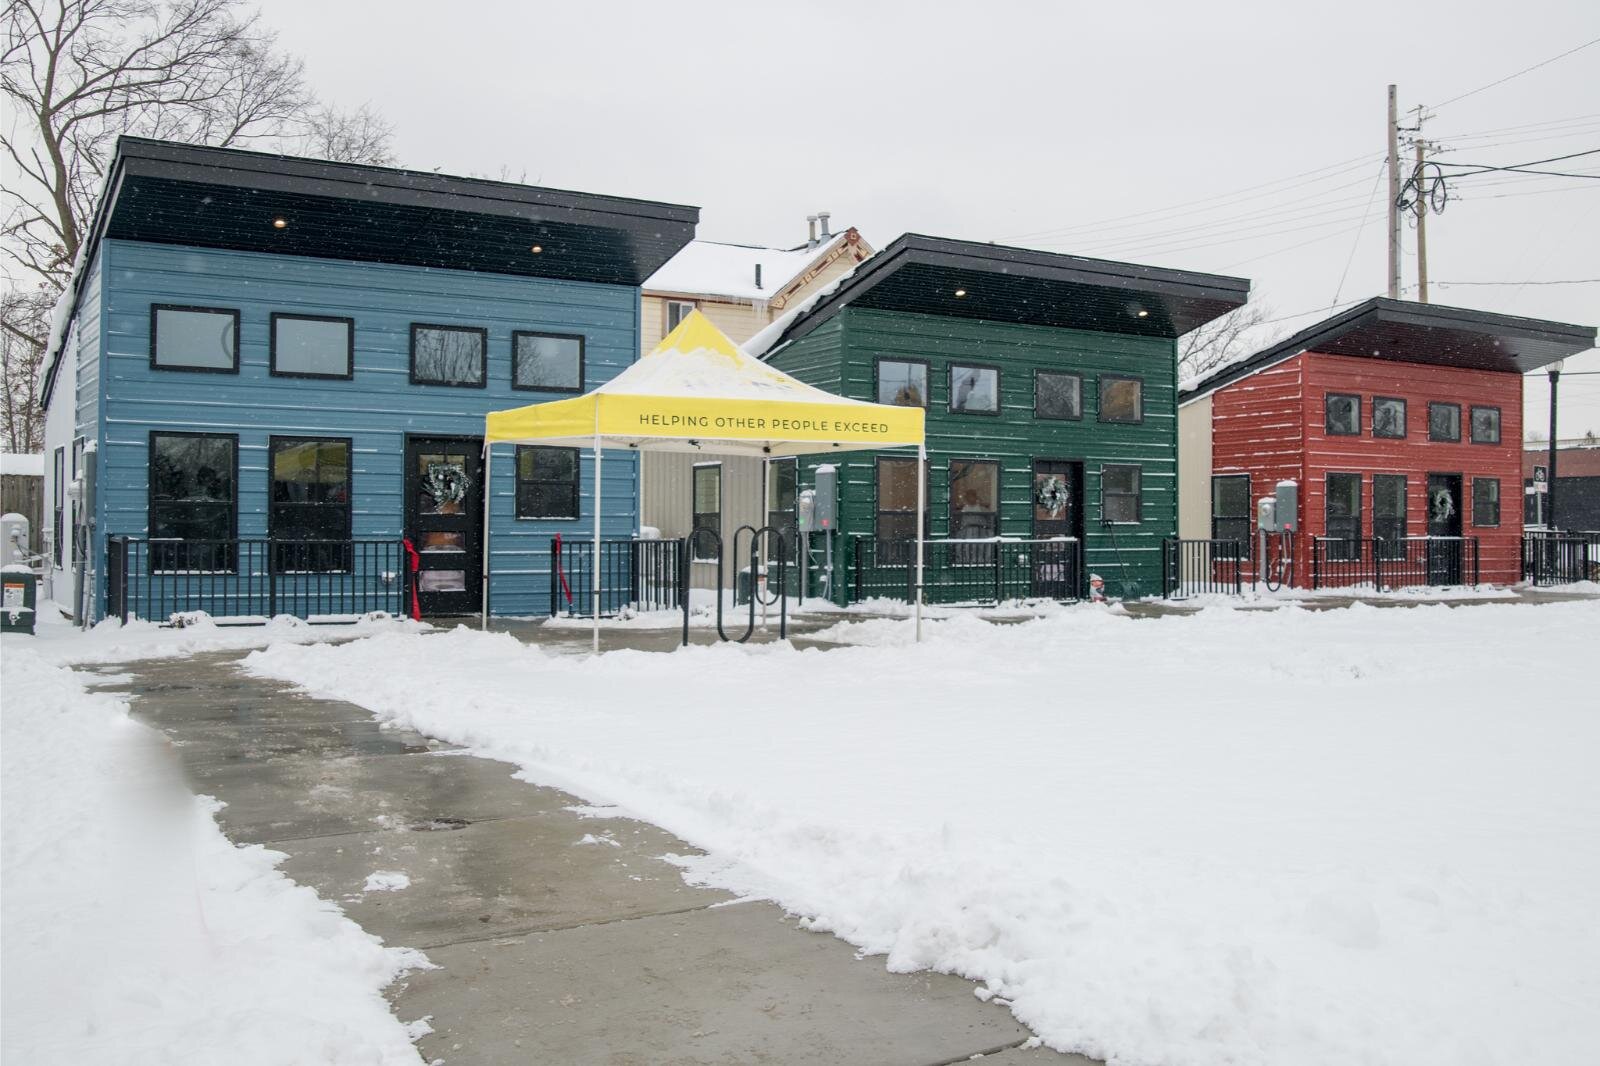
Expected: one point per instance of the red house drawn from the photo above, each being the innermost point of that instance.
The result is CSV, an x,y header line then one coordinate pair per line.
x,y
1400,423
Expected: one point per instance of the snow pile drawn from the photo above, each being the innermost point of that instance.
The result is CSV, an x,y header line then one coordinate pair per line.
x,y
26,464
709,268
134,932
1235,837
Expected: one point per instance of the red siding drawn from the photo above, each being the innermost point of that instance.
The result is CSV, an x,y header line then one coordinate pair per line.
x,y
1254,431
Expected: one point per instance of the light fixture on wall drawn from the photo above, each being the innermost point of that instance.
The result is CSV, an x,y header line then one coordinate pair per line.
x,y
1143,313
280,223
960,293
536,249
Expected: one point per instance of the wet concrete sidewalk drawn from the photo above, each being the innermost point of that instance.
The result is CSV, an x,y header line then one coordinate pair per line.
x,y
560,936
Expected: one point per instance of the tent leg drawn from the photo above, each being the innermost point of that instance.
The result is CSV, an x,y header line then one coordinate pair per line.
x,y
488,495
922,504
594,564
766,502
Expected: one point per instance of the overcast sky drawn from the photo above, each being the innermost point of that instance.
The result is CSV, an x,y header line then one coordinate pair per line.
x,y
1043,124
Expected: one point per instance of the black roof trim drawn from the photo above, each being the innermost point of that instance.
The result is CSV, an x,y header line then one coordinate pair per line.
x,y
1407,331
1186,299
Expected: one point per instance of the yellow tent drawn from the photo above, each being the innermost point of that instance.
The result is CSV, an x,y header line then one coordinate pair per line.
x,y
699,392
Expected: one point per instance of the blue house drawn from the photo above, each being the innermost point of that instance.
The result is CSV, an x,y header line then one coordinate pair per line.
x,y
269,388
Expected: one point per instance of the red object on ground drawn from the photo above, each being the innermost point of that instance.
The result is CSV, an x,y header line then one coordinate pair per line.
x,y
561,571
416,564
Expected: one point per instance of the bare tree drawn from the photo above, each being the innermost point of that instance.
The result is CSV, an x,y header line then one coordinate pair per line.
x,y
24,323
1222,340
359,136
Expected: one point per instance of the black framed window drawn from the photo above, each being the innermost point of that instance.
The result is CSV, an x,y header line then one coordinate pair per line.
x,y
547,482
974,508
58,496
1341,414
1444,422
309,480
707,506
1121,495
194,501
1342,516
1057,395
194,338
1389,513
1230,509
974,390
903,382
677,311
449,355
1121,398
896,526
74,512
1389,417
1485,425
548,362
1486,501
312,346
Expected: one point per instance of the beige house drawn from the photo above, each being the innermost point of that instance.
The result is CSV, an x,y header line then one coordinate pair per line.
x,y
742,289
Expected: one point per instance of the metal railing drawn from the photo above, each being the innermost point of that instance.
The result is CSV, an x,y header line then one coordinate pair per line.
x,y
1560,557
641,575
1201,567
246,581
960,571
1407,562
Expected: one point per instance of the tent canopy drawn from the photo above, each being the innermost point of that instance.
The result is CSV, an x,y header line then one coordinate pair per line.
x,y
698,392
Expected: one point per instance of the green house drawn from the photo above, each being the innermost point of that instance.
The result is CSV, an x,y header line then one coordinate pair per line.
x,y
1050,383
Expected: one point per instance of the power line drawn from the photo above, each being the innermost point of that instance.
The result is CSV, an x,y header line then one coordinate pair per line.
x,y
1562,281
1518,74
1266,227
1356,244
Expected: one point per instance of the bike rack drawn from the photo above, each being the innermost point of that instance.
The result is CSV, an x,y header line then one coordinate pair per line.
x,y
781,597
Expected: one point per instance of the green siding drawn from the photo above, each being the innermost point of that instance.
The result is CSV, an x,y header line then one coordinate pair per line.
x,y
841,356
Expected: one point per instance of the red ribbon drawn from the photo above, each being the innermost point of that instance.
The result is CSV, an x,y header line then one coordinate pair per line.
x,y
561,571
416,564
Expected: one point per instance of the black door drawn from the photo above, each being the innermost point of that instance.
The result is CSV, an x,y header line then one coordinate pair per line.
x,y
444,519
1444,520
1057,512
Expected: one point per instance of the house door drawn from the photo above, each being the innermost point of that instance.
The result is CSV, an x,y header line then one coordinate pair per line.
x,y
1057,512
1444,520
444,520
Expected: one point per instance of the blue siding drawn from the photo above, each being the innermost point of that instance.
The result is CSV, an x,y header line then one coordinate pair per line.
x,y
377,409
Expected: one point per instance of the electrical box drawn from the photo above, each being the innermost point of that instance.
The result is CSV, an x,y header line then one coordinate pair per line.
x,y
1267,514
1287,496
825,510
14,546
805,507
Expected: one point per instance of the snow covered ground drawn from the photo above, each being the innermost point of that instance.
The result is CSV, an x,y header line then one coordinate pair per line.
x,y
134,932
1243,837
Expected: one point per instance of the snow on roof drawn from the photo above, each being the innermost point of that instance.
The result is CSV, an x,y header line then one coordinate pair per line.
x,y
29,465
763,342
707,268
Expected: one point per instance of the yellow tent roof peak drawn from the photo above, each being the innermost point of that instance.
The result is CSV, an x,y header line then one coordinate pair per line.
x,y
698,333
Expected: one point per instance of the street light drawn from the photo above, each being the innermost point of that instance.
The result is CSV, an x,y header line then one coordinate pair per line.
x,y
1550,484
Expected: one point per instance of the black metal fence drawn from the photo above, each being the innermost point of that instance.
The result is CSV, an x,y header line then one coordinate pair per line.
x,y
1560,558
1198,567
243,582
966,571
1409,562
642,575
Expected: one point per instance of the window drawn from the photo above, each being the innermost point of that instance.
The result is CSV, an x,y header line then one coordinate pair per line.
x,y
707,506
58,497
1444,422
1342,510
309,346
448,355
194,338
677,311
1341,414
552,362
974,508
547,482
903,383
1121,399
975,390
897,511
1057,395
1388,417
1486,501
782,478
1120,502
310,502
1389,514
1230,509
194,500
1486,425
74,515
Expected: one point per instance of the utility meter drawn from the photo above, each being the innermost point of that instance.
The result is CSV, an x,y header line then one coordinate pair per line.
x,y
805,510
825,512
1267,514
1287,497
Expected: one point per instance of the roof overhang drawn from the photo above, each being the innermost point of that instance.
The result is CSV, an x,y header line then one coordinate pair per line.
x,y
922,274
1403,331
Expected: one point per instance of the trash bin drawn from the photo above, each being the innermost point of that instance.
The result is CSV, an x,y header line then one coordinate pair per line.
x,y
21,590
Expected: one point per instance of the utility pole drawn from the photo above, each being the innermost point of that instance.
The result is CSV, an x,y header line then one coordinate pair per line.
x,y
1422,227
1394,195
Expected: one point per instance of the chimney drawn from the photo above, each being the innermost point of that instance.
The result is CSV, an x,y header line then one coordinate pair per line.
x,y
758,275
811,231
822,216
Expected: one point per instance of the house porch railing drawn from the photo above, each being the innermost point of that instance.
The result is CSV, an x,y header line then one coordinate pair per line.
x,y
1408,562
963,571
1560,557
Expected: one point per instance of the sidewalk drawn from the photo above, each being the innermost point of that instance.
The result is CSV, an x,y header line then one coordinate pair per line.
x,y
559,934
